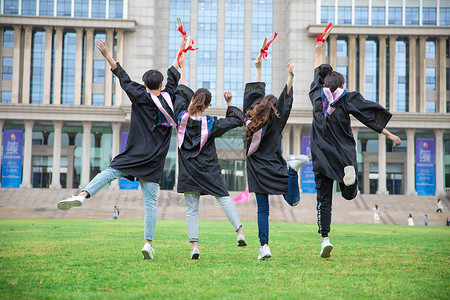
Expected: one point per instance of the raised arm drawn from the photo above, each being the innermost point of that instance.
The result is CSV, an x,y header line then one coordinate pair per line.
x,y
290,81
101,46
182,46
258,65
234,118
318,54
392,137
183,78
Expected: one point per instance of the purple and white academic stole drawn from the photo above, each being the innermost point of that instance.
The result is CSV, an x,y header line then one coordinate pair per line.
x,y
182,130
161,108
256,139
329,99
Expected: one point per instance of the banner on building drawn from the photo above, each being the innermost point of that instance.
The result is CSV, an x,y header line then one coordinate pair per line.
x,y
12,158
124,183
425,166
308,182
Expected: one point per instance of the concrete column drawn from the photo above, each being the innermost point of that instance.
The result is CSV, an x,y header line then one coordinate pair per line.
x,y
286,140
248,63
78,66
119,58
2,122
442,98
85,168
15,89
27,64
58,66
362,64
412,73
108,73
439,135
351,84
410,168
332,50
48,64
422,74
56,174
392,87
382,70
115,148
382,190
220,52
27,153
193,54
89,65
297,130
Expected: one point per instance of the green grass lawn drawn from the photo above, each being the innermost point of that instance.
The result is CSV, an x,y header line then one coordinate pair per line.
x,y
102,259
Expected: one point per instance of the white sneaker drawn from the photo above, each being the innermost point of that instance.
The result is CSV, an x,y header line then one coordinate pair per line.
x,y
148,251
296,161
68,203
241,242
326,248
264,253
350,175
195,254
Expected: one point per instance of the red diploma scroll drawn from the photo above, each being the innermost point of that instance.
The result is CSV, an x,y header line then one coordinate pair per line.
x,y
188,47
265,46
180,27
322,37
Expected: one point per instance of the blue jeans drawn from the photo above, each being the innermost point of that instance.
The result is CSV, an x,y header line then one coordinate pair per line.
x,y
262,200
192,202
149,193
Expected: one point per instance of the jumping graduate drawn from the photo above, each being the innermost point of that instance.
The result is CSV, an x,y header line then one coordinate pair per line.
x,y
267,170
199,168
152,118
333,147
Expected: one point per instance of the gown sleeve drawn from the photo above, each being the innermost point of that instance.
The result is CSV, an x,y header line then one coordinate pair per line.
x,y
183,96
284,106
317,84
233,118
173,77
135,91
370,113
253,93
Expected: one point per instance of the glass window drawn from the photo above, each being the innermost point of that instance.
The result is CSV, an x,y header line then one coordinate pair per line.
x,y
29,7
412,16
206,55
98,99
8,38
37,67
116,9
98,8
371,71
262,22
444,16
68,68
430,49
401,76
341,48
448,79
11,7
395,16
99,71
430,106
6,96
429,16
343,71
327,14
81,8
378,16
361,15
344,15
431,78
7,68
64,8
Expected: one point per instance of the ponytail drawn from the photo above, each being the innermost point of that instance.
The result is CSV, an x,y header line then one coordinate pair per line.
x,y
200,101
260,114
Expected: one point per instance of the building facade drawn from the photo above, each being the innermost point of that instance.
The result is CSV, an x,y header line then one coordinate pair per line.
x,y
59,98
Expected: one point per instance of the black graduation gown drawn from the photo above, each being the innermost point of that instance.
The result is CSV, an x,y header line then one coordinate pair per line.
x,y
266,167
333,146
202,173
147,143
